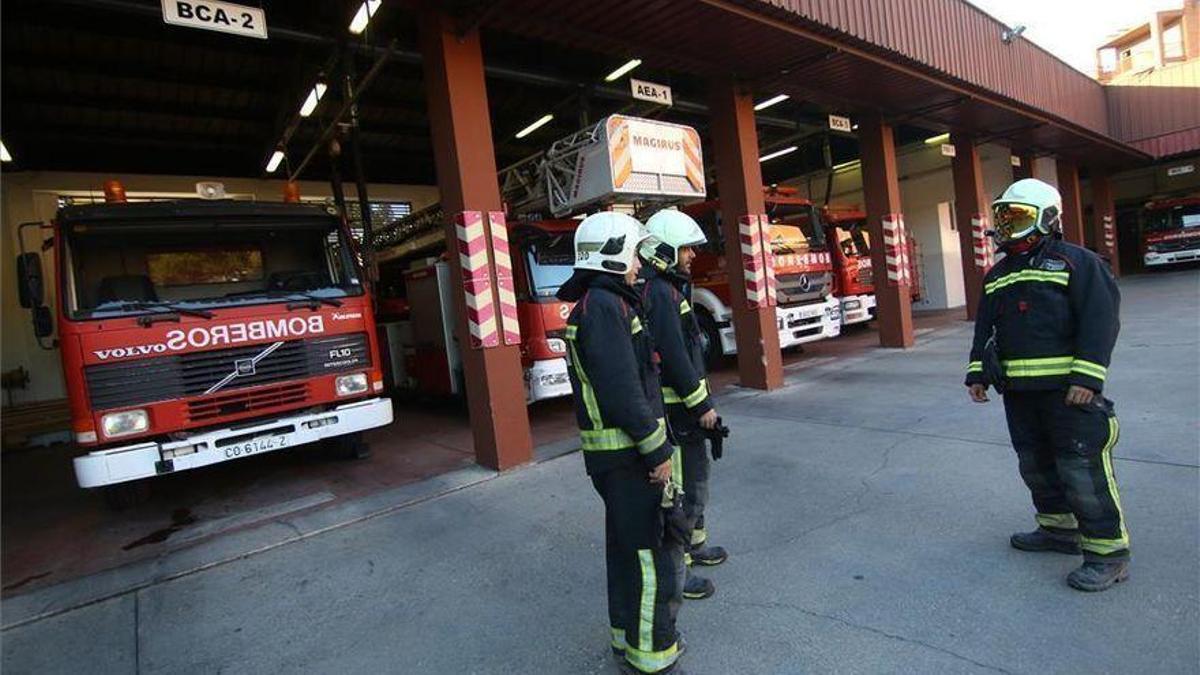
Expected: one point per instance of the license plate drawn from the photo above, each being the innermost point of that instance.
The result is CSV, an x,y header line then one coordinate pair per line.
x,y
853,304
255,446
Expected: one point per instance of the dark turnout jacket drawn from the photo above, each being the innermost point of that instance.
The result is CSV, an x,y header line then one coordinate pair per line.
x,y
1054,314
614,375
676,333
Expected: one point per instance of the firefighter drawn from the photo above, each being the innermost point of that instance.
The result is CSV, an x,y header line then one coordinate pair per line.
x,y
665,288
1046,327
626,447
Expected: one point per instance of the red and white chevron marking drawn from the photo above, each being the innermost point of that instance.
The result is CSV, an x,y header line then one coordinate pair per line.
x,y
1110,235
505,290
981,242
753,267
895,248
477,281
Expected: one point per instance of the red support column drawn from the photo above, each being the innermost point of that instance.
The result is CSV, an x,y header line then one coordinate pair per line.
x,y
881,192
461,131
1025,168
1072,215
739,180
970,205
1104,223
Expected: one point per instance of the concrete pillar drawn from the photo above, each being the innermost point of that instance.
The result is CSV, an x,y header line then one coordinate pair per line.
x,y
461,131
1025,169
970,201
1072,215
881,194
1103,207
739,182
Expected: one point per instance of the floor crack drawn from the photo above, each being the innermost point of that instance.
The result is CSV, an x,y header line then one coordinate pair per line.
x,y
869,629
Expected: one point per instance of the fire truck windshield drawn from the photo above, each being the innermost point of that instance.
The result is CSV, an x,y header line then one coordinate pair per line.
x,y
117,270
551,263
1184,216
803,216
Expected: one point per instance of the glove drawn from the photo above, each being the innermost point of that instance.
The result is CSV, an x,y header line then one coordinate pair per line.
x,y
716,438
676,526
993,370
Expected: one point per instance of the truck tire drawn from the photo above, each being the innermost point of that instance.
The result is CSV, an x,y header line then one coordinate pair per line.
x,y
348,446
125,496
710,340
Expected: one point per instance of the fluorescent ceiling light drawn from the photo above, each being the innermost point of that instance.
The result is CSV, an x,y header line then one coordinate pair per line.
x,y
771,101
535,126
616,74
314,97
779,153
363,16
937,140
847,165
4,156
273,163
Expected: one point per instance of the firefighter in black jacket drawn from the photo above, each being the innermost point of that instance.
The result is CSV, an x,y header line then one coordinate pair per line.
x,y
666,294
626,447
1046,327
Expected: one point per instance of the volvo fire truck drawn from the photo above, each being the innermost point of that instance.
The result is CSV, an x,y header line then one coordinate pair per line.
x,y
621,162
1171,231
194,332
807,310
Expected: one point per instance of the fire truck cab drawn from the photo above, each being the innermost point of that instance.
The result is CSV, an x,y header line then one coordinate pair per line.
x,y
1171,231
195,332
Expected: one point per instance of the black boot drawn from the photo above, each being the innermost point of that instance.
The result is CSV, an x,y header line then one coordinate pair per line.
x,y
1097,575
1044,539
698,588
708,555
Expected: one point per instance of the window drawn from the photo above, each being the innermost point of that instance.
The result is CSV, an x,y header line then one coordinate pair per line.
x,y
212,266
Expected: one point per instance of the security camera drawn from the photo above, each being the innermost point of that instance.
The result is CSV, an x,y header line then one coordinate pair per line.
x,y
1011,34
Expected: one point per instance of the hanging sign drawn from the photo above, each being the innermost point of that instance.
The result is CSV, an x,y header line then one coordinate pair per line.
x,y
649,91
224,17
839,123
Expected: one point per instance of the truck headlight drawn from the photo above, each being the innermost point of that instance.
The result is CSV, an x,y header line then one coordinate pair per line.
x,y
349,385
125,423
556,346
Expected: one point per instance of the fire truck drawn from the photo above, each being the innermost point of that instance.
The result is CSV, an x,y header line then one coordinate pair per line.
x,y
1171,231
806,312
194,332
850,246
621,163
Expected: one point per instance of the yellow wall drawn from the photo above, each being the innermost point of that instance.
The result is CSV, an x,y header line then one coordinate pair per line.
x,y
32,196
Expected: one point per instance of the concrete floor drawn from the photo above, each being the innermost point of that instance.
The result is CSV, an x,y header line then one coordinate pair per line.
x,y
866,506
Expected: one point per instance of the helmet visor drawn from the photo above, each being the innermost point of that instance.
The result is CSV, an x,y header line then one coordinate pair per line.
x,y
1014,221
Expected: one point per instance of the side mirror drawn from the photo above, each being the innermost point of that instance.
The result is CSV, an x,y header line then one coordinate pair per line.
x,y
43,322
30,289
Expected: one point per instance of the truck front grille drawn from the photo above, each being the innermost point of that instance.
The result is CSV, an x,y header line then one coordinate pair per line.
x,y
215,372
241,402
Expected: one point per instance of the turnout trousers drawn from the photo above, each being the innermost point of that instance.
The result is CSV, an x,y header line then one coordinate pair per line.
x,y
1065,457
694,451
645,572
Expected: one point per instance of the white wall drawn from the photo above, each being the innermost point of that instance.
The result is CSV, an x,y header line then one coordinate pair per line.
x,y
32,196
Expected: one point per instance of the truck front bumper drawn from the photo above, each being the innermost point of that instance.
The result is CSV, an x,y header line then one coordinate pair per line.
x,y
809,323
857,308
545,379
1172,257
144,460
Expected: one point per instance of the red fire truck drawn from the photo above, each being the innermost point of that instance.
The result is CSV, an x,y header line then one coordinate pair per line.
x,y
850,246
194,332
1171,231
803,272
619,163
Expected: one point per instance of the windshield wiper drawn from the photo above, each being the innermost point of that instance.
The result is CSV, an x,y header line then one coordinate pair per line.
x,y
310,301
170,311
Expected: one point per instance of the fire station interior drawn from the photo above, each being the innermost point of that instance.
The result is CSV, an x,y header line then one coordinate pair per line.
x,y
108,92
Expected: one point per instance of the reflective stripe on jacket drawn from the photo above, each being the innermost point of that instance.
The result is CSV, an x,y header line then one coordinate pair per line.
x,y
1055,314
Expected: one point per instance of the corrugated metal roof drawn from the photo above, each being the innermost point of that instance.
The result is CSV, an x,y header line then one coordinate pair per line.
x,y
1160,104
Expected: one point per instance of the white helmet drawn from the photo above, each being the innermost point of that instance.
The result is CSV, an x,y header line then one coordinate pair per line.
x,y
607,242
1027,206
671,230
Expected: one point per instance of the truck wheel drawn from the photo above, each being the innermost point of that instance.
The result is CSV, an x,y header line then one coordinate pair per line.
x,y
710,340
125,496
348,446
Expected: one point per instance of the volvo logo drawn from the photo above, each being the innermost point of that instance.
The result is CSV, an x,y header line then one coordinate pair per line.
x,y
243,367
